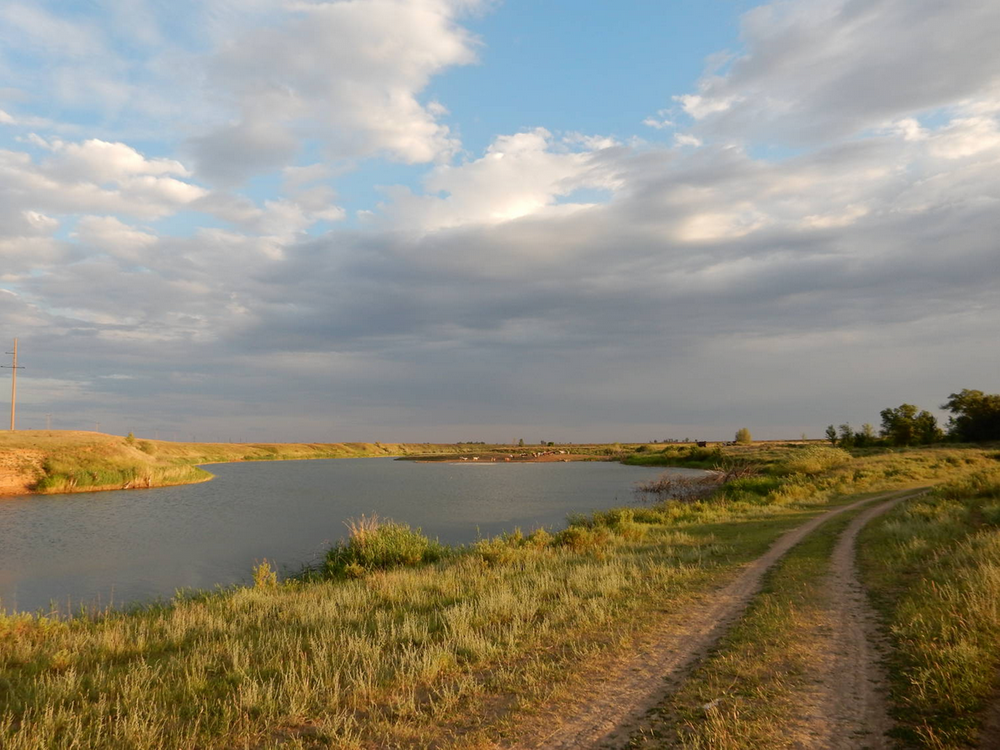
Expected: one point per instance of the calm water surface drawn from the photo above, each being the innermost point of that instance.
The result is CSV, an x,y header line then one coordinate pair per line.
x,y
121,547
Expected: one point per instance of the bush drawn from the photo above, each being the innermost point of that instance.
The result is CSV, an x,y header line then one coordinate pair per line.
x,y
374,544
264,577
743,436
581,538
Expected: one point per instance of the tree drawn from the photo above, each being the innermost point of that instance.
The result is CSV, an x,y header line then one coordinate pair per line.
x,y
906,425
831,434
743,436
975,416
520,443
866,437
847,436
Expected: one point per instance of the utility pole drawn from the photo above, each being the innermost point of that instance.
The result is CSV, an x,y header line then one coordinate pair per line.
x,y
13,384
48,421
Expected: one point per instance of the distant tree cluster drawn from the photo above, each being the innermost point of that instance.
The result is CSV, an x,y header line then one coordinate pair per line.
x,y
975,418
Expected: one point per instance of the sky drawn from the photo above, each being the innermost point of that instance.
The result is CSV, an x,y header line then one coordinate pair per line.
x,y
451,220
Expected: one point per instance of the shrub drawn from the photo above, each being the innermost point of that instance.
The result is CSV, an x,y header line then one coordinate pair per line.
x,y
375,544
581,538
539,538
497,551
264,577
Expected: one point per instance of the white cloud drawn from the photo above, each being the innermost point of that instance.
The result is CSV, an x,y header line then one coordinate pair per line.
x,y
99,161
700,107
346,73
520,175
820,69
94,177
686,139
967,136
661,121
108,234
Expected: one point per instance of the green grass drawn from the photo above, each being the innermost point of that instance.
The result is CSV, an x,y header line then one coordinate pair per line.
x,y
933,568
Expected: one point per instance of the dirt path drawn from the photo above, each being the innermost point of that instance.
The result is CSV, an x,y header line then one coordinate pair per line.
x,y
847,706
611,706
989,737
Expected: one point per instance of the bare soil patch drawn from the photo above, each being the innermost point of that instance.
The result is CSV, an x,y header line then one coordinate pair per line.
x,y
611,702
19,470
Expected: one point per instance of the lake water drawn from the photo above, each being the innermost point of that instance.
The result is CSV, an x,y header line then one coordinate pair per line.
x,y
121,547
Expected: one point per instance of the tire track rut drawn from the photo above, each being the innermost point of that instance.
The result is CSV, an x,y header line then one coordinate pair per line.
x,y
847,707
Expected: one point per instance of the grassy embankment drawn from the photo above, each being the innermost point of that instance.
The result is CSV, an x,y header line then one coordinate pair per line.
x,y
448,649
933,567
63,461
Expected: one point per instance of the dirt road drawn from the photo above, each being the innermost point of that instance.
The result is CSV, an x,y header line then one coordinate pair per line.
x,y
847,706
610,707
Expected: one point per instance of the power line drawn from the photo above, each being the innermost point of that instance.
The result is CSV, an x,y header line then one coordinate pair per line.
x,y
13,367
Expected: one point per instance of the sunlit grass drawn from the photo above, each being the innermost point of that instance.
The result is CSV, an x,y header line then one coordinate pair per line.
x,y
933,566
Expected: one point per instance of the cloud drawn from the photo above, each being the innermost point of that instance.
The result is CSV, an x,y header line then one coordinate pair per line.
x,y
660,122
520,175
686,139
819,69
108,234
559,279
348,74
100,162
94,177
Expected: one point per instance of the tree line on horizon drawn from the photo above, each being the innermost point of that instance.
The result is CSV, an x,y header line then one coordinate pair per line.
x,y
975,418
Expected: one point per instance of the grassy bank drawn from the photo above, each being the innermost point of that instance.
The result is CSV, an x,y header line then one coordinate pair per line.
x,y
61,461
396,641
933,567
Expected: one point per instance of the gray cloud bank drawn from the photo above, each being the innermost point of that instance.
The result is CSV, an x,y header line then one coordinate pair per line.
x,y
713,288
